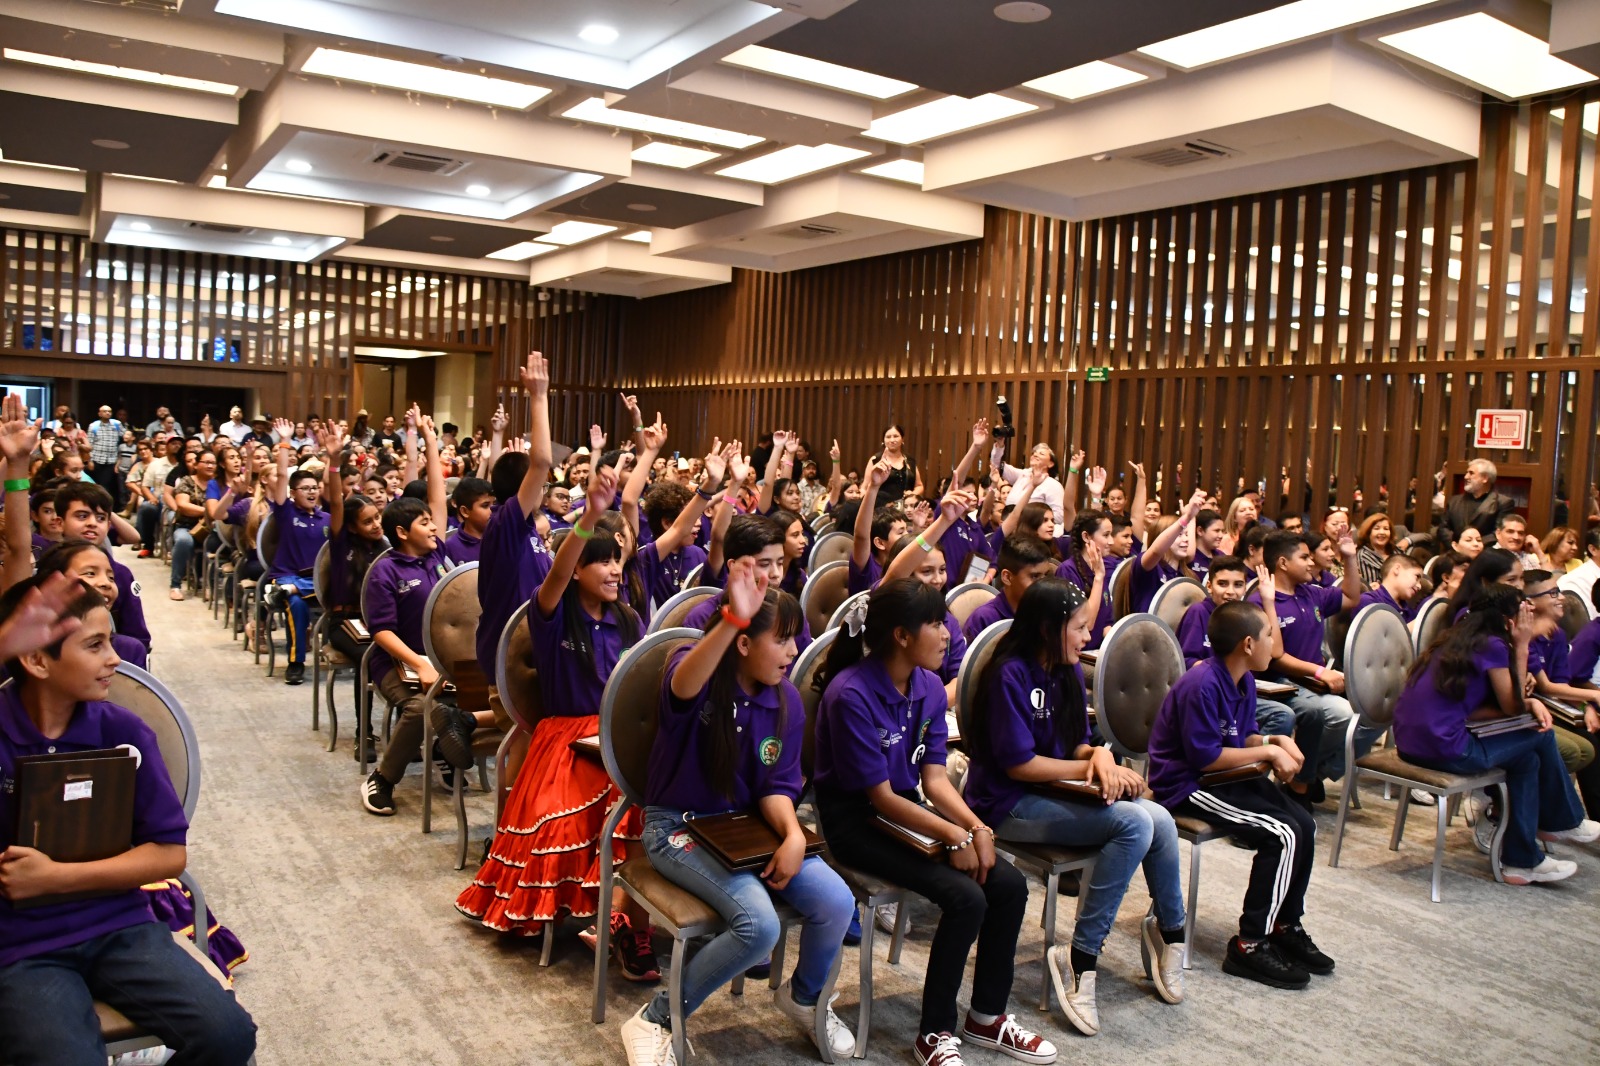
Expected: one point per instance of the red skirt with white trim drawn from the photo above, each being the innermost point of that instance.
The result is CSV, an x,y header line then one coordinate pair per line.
x,y
545,859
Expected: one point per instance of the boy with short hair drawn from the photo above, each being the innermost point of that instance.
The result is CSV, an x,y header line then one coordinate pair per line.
x,y
1024,559
1399,584
84,511
1550,672
302,528
1226,583
1207,724
59,957
473,505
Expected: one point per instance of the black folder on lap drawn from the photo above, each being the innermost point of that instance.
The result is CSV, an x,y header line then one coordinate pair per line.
x,y
75,807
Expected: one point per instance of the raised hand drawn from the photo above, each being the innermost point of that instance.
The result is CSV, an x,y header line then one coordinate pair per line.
x,y
40,618
1138,469
414,416
654,435
601,492
716,463
956,503
518,444
780,438
1077,458
499,420
878,473
997,454
283,429
18,436
1095,481
631,402
982,434
1092,556
330,440
791,445
834,453
425,424
747,588
1036,477
738,467
1196,504
597,440
535,375
1347,546
1263,581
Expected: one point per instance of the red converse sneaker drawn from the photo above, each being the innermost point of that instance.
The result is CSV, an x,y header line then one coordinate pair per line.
x,y
1009,1038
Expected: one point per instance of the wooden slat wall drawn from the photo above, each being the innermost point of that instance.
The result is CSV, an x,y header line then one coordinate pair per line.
x,y
1314,334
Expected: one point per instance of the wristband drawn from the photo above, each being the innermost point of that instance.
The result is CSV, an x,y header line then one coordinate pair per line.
x,y
734,620
638,429
981,828
924,545
704,495
1266,741
1072,470
582,534
1318,674
18,484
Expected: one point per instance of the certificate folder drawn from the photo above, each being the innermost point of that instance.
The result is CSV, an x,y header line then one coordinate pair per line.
x,y
75,807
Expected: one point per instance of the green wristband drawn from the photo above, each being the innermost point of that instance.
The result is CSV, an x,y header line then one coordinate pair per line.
x,y
18,484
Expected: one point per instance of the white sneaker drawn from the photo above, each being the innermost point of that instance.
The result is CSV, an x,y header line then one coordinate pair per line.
x,y
887,914
647,1043
1582,833
1074,991
1482,827
840,1038
1548,870
1422,799
1163,962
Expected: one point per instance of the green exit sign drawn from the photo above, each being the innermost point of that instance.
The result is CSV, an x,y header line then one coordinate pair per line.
x,y
1099,373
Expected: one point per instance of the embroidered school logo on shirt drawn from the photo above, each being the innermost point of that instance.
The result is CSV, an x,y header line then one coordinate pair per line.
x,y
770,749
888,738
1036,697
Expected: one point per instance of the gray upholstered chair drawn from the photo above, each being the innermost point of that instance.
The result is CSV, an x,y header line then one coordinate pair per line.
x,y
260,611
825,590
670,615
829,548
1139,662
629,712
1429,623
1378,655
1044,861
364,678
965,598
836,619
324,655
1118,589
1173,600
692,578
1577,614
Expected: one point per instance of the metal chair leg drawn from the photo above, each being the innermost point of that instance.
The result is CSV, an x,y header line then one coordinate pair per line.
x,y
1400,819
1495,842
427,774
680,1039
902,919
1052,882
460,798
779,950
316,677
1344,811
333,714
869,927
1443,817
549,942
1194,901
820,1032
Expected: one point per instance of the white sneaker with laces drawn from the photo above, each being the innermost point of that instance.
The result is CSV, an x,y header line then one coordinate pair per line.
x,y
938,1049
1074,991
1421,798
887,914
840,1038
1548,870
647,1043
1482,827
1163,962
1582,833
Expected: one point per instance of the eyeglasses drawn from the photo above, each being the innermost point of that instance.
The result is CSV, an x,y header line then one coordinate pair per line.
x,y
1553,593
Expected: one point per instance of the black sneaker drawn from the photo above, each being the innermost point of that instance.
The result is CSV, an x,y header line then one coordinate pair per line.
x,y
377,795
372,749
447,773
634,954
294,673
1297,946
1263,962
454,727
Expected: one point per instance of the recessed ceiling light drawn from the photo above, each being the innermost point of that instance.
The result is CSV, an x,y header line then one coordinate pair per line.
x,y
673,155
1087,79
906,170
594,109
516,253
642,236
416,77
792,162
282,242
817,72
1021,12
442,239
478,190
140,227
595,33
944,116
109,142
106,70
1488,53
299,166
641,207
1268,29
576,232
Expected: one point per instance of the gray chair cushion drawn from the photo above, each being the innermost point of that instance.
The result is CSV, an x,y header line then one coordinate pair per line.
x,y
1378,654
1139,661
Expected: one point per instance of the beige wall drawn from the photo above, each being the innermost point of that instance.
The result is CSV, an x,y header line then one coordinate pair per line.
x,y
455,376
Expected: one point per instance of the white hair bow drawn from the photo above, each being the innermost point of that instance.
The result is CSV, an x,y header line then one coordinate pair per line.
x,y
855,619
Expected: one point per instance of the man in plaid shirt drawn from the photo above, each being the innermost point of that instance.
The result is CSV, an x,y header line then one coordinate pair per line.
x,y
105,435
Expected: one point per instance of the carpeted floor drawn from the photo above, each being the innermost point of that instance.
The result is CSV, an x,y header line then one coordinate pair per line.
x,y
358,957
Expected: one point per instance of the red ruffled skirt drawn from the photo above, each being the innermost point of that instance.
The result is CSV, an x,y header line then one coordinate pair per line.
x,y
545,860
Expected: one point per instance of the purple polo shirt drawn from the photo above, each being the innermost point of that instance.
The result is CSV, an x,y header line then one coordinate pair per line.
x,y
1300,617
1550,654
157,818
959,543
1023,700
1585,654
1428,724
868,733
571,681
1069,571
397,591
987,615
131,651
663,576
127,614
1381,595
42,544
794,579
769,732
1327,580
301,535
556,521
701,614
954,652
461,547
863,578
1192,631
1200,564
1144,584
1204,713
512,561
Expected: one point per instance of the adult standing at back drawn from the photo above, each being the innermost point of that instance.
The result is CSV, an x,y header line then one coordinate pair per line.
x,y
105,436
1478,505
1049,491
159,425
235,428
904,477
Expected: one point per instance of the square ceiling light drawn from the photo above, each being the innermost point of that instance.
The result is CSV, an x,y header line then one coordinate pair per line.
x,y
1086,80
1268,29
416,77
818,72
594,110
681,156
106,70
516,253
640,236
792,162
1494,56
906,170
944,116
576,232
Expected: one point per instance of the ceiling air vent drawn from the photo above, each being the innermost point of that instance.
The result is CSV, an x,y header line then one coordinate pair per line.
x,y
809,231
218,228
1181,155
419,162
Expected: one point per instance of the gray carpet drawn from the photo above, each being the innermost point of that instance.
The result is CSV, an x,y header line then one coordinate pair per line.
x,y
358,957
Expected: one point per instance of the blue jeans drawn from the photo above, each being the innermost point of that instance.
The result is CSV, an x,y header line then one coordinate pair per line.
x,y
47,1002
148,521
1129,834
295,589
1541,792
1321,722
182,552
745,902
1273,719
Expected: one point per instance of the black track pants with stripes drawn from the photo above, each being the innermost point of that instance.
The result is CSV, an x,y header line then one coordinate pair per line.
x,y
1259,814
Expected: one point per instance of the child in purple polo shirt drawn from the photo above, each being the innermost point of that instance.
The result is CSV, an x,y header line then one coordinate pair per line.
x,y
1399,583
730,735
964,538
1023,559
758,539
56,959
89,564
355,540
673,515
302,528
1086,566
83,508
472,505
1029,724
875,529
1226,581
1583,661
1206,724
1165,558
880,734
1208,533
1550,674
1474,672
920,557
